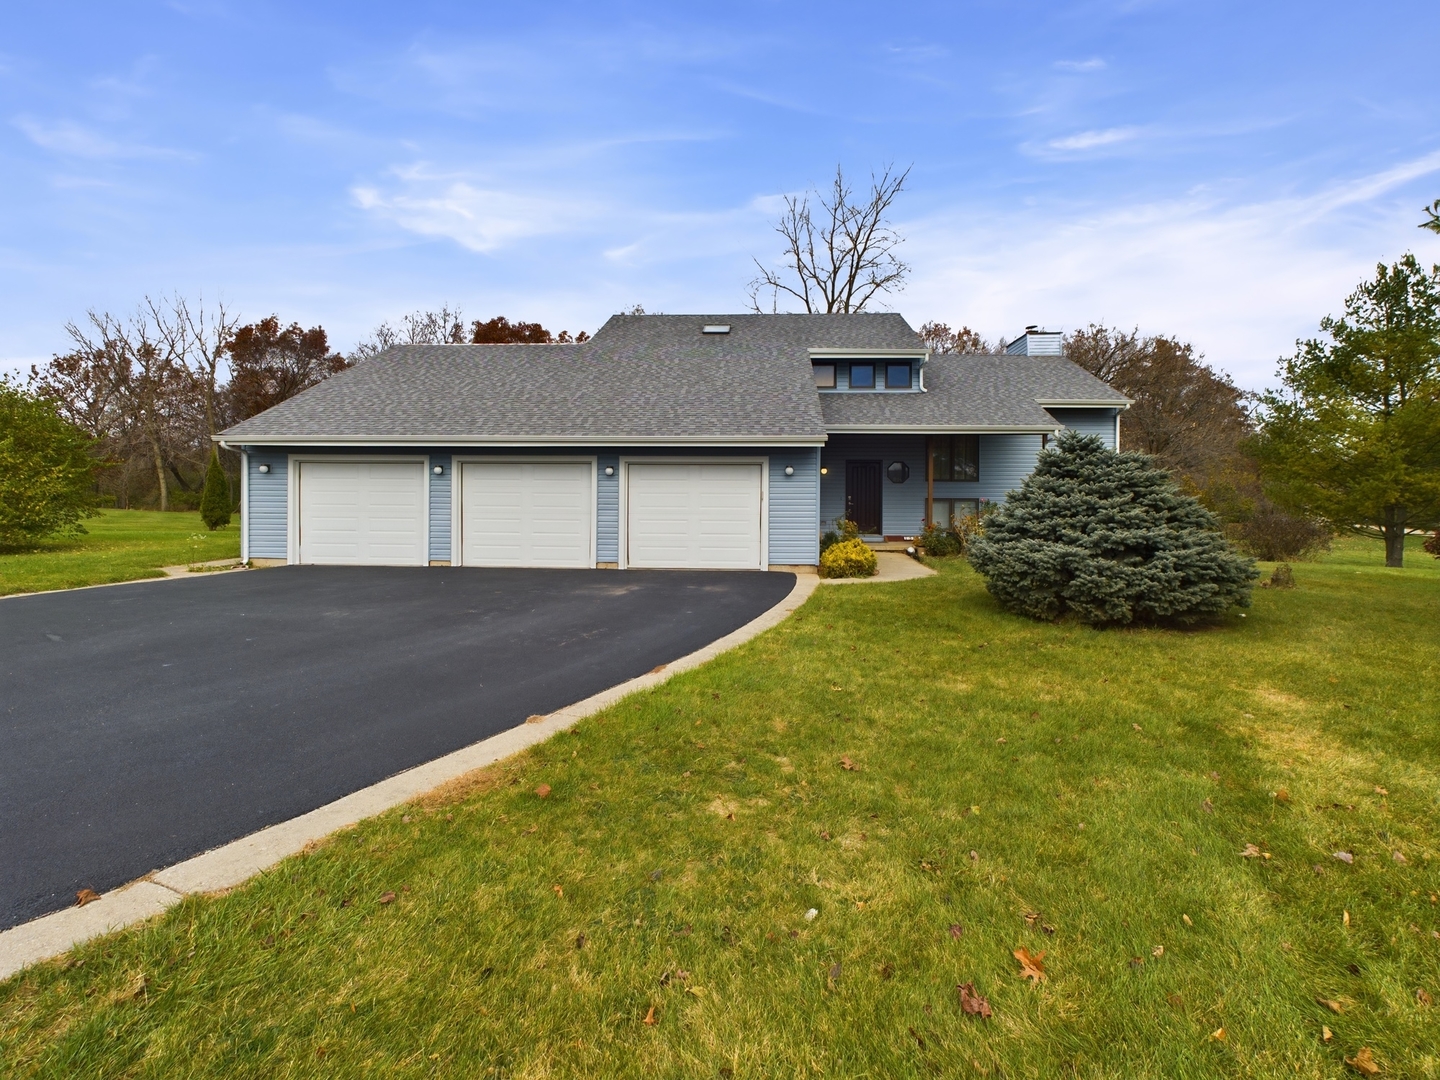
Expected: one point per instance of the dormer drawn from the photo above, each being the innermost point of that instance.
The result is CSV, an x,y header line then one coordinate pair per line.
x,y
869,371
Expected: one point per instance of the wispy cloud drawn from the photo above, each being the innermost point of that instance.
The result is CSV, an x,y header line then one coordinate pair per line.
x,y
1240,279
1080,66
1093,140
74,140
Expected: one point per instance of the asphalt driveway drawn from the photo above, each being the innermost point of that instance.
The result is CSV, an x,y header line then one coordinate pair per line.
x,y
142,724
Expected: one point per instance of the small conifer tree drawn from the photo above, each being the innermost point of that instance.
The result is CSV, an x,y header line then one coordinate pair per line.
x,y
215,499
1108,538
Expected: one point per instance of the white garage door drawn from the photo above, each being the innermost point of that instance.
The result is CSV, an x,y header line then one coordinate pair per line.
x,y
526,513
694,515
363,513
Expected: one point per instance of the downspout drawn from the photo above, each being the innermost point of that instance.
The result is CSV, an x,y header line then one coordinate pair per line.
x,y
244,506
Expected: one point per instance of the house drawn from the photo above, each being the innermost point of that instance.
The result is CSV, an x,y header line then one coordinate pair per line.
x,y
726,441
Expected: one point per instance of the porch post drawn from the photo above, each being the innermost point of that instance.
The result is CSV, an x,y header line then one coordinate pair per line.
x,y
929,482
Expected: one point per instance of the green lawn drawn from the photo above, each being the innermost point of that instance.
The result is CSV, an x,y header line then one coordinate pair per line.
x,y
1015,785
119,545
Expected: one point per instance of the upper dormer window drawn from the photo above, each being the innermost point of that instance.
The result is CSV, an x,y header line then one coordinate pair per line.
x,y
897,376
824,376
862,376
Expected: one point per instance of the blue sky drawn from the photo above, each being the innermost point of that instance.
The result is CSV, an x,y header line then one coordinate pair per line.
x,y
1222,171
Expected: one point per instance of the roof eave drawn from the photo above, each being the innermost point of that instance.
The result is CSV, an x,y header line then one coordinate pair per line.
x,y
944,429
229,439
1085,403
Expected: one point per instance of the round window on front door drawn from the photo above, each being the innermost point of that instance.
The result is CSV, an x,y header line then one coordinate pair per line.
x,y
898,472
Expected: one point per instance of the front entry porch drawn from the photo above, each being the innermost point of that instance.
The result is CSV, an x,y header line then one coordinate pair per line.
x,y
892,484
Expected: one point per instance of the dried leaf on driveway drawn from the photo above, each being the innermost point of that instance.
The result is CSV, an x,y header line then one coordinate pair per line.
x,y
1364,1063
1031,967
971,1003
86,896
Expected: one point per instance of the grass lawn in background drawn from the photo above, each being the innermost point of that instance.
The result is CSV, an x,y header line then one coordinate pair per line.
x,y
119,545
785,862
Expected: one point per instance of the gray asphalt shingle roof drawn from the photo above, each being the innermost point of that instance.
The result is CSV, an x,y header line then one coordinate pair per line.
x,y
657,378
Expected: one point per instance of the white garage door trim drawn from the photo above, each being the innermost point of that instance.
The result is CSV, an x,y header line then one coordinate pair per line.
x,y
763,563
457,500
296,462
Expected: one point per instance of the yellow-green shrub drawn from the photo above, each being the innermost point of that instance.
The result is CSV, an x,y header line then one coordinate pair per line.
x,y
849,558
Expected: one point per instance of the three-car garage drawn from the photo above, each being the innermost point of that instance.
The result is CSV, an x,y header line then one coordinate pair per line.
x,y
689,513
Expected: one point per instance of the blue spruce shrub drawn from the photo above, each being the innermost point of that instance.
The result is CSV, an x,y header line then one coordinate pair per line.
x,y
1107,538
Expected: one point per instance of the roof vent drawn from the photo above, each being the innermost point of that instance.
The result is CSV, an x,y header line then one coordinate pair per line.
x,y
715,328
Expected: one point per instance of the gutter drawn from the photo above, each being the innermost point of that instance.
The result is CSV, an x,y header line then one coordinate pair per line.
x,y
225,440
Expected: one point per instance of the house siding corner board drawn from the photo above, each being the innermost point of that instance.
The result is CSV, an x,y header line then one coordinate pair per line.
x,y
793,500
1005,461
1099,422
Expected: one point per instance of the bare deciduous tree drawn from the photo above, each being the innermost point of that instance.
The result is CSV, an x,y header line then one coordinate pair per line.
x,y
843,260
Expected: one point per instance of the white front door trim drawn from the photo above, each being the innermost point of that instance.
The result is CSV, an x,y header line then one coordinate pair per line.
x,y
457,510
763,462
292,483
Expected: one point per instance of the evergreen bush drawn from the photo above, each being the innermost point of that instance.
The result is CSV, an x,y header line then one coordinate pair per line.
x,y
215,499
1108,538
848,558
46,470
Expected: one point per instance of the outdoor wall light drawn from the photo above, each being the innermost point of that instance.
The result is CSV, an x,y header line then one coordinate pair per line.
x,y
789,470
264,468
438,470
824,471
609,470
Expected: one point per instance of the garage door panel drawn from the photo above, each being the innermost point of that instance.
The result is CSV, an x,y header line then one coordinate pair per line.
x,y
694,515
362,513
527,514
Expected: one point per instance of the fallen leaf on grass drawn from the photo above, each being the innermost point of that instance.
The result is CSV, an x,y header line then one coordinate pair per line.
x,y
650,1017
846,763
834,973
1364,1063
579,941
1250,852
1208,806
1333,1006
1030,917
1344,856
971,1003
531,830
387,897
1186,919
1423,996
810,915
974,855
1326,1034
1137,962
1218,1034
1346,918
1282,795
956,930
1031,967
1399,858
1136,727
1381,791
86,896
558,890
1158,950
1047,928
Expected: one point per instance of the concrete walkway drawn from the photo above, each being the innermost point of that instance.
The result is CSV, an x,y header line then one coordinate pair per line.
x,y
890,566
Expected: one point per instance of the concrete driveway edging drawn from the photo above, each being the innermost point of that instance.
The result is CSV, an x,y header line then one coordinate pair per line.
x,y
234,863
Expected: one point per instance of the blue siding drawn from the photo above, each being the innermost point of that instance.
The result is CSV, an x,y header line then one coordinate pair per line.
x,y
1005,461
607,510
440,498
1089,422
795,507
264,519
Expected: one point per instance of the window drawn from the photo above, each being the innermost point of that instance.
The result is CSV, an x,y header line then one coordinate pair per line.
x,y
945,512
862,376
898,472
897,376
824,376
955,457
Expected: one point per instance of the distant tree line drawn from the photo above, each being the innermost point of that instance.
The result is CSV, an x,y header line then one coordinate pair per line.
x,y
146,392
